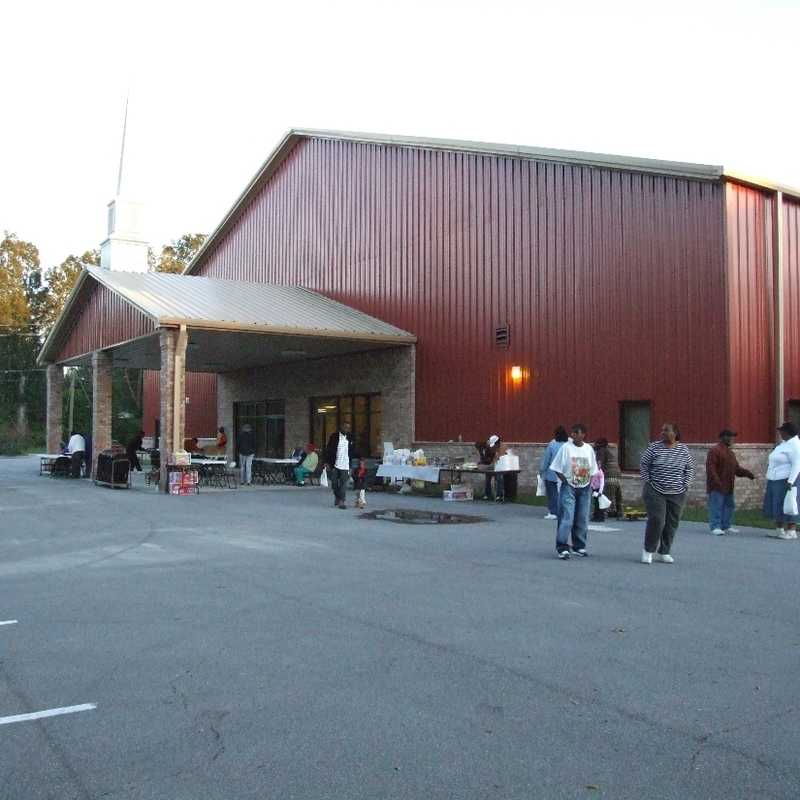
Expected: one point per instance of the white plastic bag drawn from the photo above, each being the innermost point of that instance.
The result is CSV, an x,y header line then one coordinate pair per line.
x,y
541,489
790,502
323,478
603,502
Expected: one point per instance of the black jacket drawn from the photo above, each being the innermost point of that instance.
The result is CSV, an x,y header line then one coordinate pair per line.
x,y
333,445
247,443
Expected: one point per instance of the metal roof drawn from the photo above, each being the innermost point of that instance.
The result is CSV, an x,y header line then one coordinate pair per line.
x,y
224,305
243,305
675,169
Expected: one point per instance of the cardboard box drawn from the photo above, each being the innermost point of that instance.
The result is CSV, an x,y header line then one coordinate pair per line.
x,y
182,491
457,495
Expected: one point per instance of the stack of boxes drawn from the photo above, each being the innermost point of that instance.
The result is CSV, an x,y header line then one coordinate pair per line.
x,y
183,482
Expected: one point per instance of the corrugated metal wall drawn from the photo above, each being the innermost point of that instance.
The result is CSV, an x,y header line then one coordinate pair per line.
x,y
201,412
750,299
612,283
106,320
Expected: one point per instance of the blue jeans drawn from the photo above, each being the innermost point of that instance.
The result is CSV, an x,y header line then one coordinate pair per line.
x,y
551,487
573,516
720,510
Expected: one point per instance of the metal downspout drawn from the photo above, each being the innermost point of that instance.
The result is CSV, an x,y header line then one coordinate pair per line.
x,y
777,257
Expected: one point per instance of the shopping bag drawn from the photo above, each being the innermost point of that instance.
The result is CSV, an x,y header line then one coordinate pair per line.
x,y
541,490
790,502
603,502
323,478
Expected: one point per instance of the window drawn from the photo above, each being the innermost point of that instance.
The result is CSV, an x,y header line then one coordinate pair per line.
x,y
268,420
634,433
362,411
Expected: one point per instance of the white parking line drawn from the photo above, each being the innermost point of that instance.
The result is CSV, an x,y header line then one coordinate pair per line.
x,y
50,712
8,622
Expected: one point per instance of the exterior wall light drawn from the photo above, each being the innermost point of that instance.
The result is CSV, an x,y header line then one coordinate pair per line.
x,y
516,374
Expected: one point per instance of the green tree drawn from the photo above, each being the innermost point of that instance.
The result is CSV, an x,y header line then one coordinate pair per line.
x,y
19,280
60,282
20,379
177,255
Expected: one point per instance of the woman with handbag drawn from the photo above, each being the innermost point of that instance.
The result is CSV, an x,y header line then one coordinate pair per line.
x,y
783,469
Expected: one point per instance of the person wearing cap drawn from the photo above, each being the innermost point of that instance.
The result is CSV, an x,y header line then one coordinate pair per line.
x,y
783,469
722,469
489,451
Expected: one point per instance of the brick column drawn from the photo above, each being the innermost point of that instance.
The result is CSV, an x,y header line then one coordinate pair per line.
x,y
55,408
101,404
172,386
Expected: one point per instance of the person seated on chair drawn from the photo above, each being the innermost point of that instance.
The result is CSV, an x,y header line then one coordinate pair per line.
x,y
309,460
193,446
131,450
76,449
299,453
222,440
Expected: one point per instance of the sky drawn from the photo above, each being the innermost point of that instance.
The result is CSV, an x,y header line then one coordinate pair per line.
x,y
214,87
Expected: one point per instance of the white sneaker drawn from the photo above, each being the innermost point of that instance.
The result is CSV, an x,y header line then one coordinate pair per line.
x,y
550,516
717,532
647,558
776,534
664,558
787,535
731,530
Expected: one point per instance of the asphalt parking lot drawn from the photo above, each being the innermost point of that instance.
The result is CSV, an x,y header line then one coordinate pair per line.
x,y
259,643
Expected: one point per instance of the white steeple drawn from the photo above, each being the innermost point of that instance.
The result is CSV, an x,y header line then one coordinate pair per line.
x,y
125,248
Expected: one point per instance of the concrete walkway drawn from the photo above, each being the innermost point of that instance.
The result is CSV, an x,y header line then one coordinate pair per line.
x,y
261,644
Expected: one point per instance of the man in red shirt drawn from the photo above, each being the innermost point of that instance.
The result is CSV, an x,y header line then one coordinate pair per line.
x,y
722,469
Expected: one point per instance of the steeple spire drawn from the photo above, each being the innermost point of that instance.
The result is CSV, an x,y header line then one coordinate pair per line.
x,y
126,247
122,150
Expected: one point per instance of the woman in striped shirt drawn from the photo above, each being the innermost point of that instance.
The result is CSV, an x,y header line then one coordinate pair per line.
x,y
667,469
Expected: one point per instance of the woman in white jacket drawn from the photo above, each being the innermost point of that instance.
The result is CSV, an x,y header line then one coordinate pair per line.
x,y
783,470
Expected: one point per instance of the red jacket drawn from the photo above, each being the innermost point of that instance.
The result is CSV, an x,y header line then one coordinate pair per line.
x,y
722,469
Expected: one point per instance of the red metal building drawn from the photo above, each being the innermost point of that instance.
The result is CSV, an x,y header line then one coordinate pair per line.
x,y
529,287
618,280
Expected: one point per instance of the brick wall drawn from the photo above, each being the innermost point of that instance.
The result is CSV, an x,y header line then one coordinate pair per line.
x,y
749,494
101,404
55,395
390,372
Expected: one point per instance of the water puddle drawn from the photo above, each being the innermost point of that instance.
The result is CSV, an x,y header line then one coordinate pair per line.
x,y
412,517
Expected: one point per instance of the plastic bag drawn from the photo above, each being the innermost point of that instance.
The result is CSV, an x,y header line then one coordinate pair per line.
x,y
323,478
603,502
790,502
541,489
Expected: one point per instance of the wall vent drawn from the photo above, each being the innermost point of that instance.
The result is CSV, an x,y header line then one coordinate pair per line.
x,y
502,337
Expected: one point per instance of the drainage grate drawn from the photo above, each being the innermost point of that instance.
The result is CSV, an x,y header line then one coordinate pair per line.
x,y
412,517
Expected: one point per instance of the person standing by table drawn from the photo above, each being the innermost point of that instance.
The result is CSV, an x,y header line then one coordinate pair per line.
x,y
488,452
76,447
722,469
131,450
339,452
548,476
575,465
667,469
247,449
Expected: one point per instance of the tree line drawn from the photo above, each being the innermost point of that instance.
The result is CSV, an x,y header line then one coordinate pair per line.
x,y
31,299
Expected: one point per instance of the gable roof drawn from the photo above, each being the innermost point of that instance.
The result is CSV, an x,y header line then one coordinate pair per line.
x,y
218,304
676,169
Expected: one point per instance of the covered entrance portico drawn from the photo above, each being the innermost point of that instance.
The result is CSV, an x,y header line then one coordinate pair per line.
x,y
257,338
